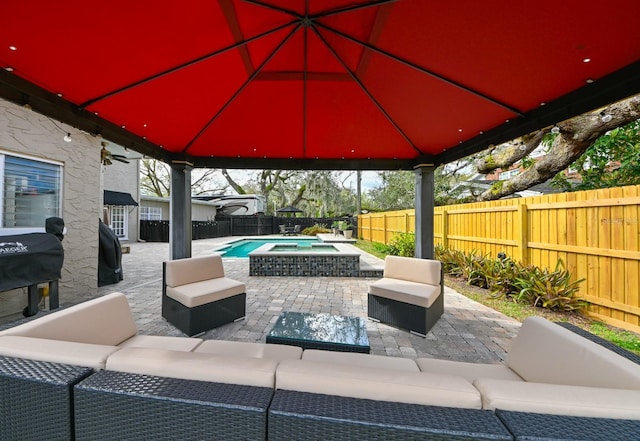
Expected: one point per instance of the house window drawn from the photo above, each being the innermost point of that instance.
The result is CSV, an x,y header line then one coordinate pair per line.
x,y
30,192
151,213
509,174
119,220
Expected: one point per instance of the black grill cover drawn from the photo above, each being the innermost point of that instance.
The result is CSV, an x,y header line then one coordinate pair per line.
x,y
27,259
109,257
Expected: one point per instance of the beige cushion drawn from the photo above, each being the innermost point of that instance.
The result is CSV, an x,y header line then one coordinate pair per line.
x,y
106,320
376,384
42,349
193,269
206,291
412,269
194,366
544,352
249,349
470,371
361,360
185,344
559,399
404,291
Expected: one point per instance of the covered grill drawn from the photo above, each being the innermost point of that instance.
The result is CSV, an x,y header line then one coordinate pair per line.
x,y
30,259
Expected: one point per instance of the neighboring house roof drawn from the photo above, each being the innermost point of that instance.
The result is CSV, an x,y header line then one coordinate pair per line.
x,y
168,199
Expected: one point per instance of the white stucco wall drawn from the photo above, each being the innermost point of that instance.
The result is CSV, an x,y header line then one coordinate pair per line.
x,y
28,133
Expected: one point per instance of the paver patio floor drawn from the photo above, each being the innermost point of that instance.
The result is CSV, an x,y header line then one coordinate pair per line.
x,y
467,331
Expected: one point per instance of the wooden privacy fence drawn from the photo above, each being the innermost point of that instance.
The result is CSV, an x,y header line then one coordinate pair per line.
x,y
596,233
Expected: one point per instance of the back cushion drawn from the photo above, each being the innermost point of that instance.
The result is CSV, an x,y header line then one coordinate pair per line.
x,y
106,320
412,269
544,352
194,269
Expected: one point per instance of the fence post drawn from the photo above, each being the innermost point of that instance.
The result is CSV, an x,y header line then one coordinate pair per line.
x,y
523,239
445,229
384,219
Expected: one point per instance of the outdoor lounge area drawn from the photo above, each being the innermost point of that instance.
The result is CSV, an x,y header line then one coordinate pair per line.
x,y
228,382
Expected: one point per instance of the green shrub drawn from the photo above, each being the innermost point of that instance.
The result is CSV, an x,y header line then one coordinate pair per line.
x,y
403,244
452,260
550,289
508,279
315,230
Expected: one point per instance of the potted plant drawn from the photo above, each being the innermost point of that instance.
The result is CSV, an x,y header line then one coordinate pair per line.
x,y
347,230
335,227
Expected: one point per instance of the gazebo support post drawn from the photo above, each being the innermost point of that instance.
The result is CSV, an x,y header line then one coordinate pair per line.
x,y
180,220
424,211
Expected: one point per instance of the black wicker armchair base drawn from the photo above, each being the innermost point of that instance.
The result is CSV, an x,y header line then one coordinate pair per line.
x,y
202,318
417,319
307,416
117,406
36,399
538,427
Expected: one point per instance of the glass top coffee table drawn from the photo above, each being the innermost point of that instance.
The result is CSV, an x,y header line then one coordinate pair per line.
x,y
321,331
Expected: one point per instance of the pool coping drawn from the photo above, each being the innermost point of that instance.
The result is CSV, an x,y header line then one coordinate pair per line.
x,y
221,248
268,250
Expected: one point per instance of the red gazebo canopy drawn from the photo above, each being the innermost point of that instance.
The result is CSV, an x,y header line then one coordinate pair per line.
x,y
318,83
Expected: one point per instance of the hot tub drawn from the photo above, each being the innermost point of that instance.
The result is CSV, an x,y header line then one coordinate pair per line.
x,y
321,259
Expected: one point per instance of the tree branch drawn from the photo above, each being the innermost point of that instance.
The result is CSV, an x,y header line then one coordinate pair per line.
x,y
576,135
507,154
237,187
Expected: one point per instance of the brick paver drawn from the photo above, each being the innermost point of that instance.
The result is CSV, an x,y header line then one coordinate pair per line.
x,y
467,331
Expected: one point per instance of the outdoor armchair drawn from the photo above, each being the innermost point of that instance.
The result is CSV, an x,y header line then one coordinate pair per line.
x,y
410,294
197,297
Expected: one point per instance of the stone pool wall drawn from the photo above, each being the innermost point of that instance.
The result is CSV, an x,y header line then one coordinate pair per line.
x,y
265,262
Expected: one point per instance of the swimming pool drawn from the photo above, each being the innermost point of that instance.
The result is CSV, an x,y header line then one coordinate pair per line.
x,y
243,247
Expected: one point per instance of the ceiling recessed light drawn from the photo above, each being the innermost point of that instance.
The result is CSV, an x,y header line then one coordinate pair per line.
x,y
9,69
543,103
144,125
590,80
59,95
586,60
460,130
13,48
123,126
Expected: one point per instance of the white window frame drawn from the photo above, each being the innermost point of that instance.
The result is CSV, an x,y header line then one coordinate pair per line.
x,y
26,230
508,174
121,231
150,213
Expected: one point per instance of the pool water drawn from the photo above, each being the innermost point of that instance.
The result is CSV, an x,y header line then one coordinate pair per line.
x,y
243,247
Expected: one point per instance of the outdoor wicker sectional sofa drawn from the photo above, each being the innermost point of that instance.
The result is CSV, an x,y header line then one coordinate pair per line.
x,y
84,373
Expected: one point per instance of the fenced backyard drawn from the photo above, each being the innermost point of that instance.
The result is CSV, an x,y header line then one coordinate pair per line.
x,y
596,234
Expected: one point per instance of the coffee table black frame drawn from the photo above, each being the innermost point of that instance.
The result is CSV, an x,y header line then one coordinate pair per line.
x,y
321,331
